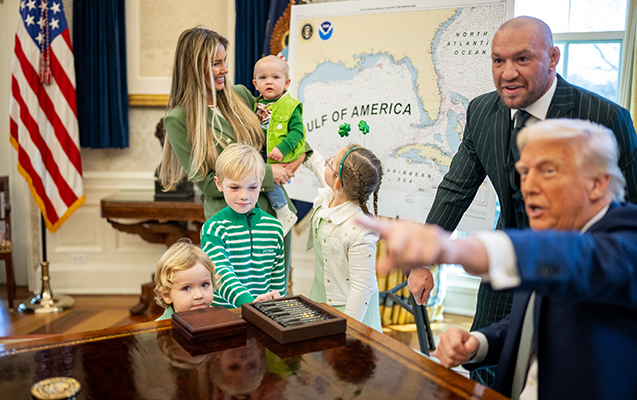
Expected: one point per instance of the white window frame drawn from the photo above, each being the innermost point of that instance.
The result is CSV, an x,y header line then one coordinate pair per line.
x,y
567,39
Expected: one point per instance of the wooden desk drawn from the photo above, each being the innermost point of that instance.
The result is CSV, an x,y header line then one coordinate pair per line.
x,y
144,362
163,221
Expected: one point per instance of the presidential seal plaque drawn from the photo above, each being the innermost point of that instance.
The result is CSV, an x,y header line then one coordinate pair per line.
x,y
60,387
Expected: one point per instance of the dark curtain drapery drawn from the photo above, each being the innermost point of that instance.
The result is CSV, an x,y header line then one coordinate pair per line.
x,y
259,17
252,17
276,30
250,35
99,43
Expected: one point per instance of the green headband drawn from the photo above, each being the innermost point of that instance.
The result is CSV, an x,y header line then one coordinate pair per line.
x,y
340,169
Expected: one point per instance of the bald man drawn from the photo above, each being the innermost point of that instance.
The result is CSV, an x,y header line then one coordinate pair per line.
x,y
523,64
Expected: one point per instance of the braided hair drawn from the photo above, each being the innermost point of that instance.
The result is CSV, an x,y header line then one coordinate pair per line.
x,y
361,176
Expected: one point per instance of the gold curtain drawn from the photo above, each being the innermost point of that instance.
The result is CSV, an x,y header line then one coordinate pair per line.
x,y
395,314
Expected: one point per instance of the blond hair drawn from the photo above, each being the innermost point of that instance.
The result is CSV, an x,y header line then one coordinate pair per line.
x,y
176,354
239,161
235,382
361,176
597,146
192,73
180,256
285,67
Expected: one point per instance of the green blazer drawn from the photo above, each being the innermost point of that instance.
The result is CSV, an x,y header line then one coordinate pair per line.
x,y
175,124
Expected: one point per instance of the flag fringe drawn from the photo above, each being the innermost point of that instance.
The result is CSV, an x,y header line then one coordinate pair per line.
x,y
38,201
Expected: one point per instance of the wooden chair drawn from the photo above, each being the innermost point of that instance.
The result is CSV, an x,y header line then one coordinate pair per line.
x,y
6,246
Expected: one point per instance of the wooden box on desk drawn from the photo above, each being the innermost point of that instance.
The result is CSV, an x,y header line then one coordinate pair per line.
x,y
284,335
208,324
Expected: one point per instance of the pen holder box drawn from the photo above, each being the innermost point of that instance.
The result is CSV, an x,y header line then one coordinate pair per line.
x,y
208,324
293,319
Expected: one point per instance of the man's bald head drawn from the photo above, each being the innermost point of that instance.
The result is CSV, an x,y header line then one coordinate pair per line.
x,y
523,61
537,25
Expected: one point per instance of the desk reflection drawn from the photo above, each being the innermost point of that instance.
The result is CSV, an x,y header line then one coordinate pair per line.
x,y
150,361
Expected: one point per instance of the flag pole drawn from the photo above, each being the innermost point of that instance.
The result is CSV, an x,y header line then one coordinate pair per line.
x,y
46,302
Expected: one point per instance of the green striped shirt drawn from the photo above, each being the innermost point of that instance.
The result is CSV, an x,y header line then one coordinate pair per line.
x,y
247,250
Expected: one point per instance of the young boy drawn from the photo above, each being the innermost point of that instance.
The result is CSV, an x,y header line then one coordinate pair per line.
x,y
282,120
183,279
244,242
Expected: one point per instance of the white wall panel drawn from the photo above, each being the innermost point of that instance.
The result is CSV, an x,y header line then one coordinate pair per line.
x,y
88,256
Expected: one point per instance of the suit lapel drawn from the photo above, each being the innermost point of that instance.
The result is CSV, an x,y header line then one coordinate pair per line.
x,y
502,118
561,106
563,100
501,121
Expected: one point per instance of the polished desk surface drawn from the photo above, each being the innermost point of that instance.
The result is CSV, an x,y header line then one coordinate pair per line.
x,y
144,361
141,203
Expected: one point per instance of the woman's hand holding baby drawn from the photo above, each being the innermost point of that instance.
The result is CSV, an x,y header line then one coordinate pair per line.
x,y
280,174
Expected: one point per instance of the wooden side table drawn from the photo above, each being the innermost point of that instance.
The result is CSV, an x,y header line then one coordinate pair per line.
x,y
158,221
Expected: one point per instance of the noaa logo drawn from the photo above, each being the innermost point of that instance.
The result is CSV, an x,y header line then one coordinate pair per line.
x,y
325,30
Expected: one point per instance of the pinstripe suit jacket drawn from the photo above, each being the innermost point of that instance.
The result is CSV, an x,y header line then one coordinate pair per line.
x,y
484,150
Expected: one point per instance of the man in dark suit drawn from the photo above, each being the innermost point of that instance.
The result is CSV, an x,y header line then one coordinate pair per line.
x,y
523,66
576,338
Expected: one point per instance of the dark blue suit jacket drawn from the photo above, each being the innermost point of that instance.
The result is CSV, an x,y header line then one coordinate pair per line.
x,y
585,314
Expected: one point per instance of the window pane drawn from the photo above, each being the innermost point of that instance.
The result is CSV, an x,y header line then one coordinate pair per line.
x,y
553,12
595,66
597,15
585,15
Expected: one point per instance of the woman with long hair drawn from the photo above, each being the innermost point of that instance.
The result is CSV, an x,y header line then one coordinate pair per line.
x,y
205,115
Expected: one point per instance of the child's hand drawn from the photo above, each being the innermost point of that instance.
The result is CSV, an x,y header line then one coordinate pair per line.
x,y
292,166
273,294
276,154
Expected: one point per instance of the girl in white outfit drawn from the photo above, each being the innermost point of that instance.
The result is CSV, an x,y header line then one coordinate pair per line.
x,y
345,267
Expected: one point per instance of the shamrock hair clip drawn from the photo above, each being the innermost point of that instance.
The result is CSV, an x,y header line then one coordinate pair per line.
x,y
345,129
363,127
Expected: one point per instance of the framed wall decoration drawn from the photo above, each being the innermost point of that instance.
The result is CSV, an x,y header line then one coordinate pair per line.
x,y
152,30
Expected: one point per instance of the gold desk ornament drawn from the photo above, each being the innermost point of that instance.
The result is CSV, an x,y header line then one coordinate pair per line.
x,y
57,388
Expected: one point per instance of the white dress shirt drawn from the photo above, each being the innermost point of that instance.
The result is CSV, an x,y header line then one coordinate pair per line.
x,y
540,108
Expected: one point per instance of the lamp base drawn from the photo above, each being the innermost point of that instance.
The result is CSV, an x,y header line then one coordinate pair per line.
x,y
42,305
46,302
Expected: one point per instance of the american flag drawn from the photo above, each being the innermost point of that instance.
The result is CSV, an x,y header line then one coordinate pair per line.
x,y
43,122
